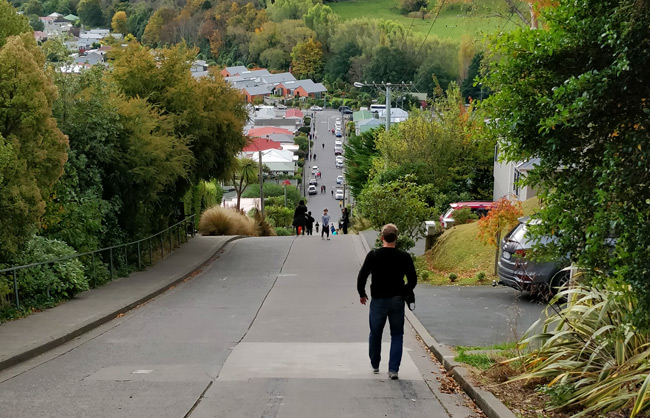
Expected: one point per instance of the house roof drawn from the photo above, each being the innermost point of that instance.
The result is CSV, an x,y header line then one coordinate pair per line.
x,y
236,69
294,113
277,78
199,74
307,84
528,165
253,73
362,115
268,130
261,144
370,122
257,90
71,18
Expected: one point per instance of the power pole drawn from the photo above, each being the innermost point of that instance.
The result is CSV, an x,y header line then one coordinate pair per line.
x,y
261,184
387,107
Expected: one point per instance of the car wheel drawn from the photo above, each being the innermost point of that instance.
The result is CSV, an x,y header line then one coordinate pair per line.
x,y
559,283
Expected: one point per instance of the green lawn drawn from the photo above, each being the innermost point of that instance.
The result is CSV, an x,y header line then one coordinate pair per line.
x,y
459,251
451,23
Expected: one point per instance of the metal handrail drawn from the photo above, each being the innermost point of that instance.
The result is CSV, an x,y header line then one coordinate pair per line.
x,y
188,220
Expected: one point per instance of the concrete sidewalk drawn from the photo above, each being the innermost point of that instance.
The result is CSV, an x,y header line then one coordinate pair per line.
x,y
28,337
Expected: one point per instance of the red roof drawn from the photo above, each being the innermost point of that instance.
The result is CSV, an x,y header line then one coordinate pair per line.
x,y
268,130
261,144
294,113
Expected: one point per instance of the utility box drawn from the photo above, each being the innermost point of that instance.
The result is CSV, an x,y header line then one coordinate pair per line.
x,y
431,227
433,232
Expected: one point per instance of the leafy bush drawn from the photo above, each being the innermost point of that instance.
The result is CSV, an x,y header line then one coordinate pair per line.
x,y
283,232
464,216
224,221
271,190
480,277
453,277
47,284
279,216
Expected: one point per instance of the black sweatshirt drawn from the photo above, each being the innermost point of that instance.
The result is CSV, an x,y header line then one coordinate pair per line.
x,y
388,267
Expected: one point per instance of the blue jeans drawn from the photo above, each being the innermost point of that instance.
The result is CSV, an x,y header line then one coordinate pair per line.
x,y
380,309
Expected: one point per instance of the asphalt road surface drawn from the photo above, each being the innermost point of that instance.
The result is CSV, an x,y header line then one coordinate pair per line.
x,y
325,160
272,328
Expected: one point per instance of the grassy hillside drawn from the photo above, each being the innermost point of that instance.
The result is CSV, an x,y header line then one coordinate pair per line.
x,y
452,22
459,251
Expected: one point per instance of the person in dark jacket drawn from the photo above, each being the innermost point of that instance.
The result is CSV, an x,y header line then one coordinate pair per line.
x,y
300,217
310,223
345,220
388,266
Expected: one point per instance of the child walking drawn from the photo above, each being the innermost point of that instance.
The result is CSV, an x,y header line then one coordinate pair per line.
x,y
325,221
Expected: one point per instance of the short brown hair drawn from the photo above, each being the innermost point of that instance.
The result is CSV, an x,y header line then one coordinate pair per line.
x,y
389,233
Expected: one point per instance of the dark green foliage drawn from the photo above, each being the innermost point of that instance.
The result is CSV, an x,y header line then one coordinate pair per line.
x,y
468,89
339,64
464,216
36,23
47,284
91,13
271,190
576,96
430,75
390,65
359,153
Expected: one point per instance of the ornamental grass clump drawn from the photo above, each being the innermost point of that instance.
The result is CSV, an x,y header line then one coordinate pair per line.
x,y
589,353
226,221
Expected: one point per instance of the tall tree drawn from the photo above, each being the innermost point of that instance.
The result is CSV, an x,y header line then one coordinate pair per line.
x,y
119,23
34,148
390,65
359,153
307,59
11,23
91,13
243,172
576,97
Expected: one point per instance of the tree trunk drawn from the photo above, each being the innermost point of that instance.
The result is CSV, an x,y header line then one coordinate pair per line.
x,y
496,253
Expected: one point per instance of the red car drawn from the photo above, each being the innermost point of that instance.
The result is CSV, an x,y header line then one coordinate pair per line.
x,y
479,208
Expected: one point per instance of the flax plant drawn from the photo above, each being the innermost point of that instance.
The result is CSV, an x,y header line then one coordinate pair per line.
x,y
591,353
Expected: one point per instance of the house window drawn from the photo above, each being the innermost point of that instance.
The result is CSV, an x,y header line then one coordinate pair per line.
x,y
496,152
515,183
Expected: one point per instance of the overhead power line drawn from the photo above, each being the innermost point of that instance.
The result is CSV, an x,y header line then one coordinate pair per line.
x,y
431,27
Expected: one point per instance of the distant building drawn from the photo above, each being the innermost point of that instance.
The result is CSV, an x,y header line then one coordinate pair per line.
x,y
507,176
261,144
300,88
256,92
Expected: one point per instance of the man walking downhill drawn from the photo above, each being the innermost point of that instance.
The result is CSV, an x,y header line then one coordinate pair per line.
x,y
388,266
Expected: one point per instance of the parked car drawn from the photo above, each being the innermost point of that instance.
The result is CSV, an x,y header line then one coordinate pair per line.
x,y
340,180
312,189
316,108
281,106
338,150
339,133
338,194
345,110
479,208
338,143
312,180
518,271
